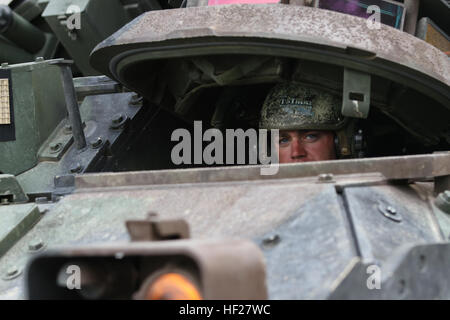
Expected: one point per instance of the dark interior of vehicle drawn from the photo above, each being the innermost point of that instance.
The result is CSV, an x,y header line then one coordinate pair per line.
x,y
228,92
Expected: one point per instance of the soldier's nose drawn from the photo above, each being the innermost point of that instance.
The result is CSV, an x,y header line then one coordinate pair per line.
x,y
297,151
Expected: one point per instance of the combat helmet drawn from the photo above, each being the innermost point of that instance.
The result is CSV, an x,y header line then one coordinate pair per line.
x,y
293,106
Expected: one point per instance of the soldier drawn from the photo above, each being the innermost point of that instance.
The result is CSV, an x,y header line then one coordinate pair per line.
x,y
310,123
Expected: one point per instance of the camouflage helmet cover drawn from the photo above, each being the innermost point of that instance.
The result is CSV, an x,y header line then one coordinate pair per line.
x,y
290,106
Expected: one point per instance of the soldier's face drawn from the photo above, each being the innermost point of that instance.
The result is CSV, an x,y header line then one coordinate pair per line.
x,y
303,146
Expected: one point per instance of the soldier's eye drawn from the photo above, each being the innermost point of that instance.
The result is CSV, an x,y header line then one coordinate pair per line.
x,y
310,137
283,140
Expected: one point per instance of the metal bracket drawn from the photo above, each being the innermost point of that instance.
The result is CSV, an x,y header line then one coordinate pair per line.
x,y
73,109
17,220
156,229
58,143
356,96
10,190
411,272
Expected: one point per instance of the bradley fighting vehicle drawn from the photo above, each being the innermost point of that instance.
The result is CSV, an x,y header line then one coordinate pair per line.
x,y
92,205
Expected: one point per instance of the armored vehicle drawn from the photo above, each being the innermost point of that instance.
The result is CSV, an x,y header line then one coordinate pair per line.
x,y
94,206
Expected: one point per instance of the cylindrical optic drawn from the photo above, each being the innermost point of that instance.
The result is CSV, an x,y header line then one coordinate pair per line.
x,y
172,286
19,31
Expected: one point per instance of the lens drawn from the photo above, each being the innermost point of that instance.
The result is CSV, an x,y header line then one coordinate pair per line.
x,y
172,286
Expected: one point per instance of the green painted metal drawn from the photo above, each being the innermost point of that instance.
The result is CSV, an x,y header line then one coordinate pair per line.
x,y
17,220
39,106
23,40
30,9
216,202
10,189
25,34
11,53
43,3
40,179
98,20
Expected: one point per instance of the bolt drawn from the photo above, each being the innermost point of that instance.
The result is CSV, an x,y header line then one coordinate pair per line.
x,y
67,129
152,215
55,147
117,121
136,99
271,240
443,201
5,64
96,143
391,210
4,201
12,271
36,245
117,118
39,59
324,177
76,168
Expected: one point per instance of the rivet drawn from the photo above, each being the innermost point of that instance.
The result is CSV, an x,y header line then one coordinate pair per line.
x,y
117,118
443,201
11,273
96,143
39,59
67,129
55,147
35,245
5,64
152,215
325,177
136,99
76,168
118,121
391,210
271,240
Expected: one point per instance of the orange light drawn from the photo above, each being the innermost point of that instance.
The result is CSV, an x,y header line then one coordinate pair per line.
x,y
172,286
